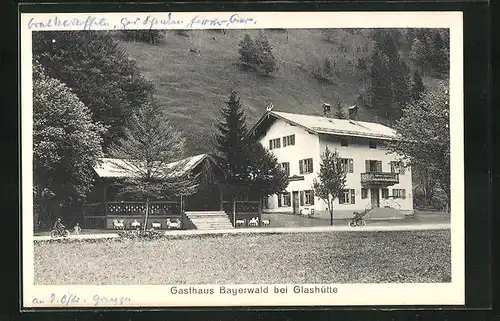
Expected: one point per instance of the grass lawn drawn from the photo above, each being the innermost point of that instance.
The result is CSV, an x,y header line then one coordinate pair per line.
x,y
334,257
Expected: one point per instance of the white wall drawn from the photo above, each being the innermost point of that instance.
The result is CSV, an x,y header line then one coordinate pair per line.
x,y
306,146
358,149
312,146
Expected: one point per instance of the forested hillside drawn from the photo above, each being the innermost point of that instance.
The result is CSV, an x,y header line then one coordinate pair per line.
x,y
194,72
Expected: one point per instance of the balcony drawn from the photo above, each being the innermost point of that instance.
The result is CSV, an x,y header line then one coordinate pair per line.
x,y
379,179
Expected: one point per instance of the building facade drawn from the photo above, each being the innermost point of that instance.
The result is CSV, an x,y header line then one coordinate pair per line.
x,y
374,177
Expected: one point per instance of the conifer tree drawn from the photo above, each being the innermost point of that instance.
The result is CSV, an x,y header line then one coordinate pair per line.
x,y
389,77
148,145
247,52
418,87
231,142
264,51
251,169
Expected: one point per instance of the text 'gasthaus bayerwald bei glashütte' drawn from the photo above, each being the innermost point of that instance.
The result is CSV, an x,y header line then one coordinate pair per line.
x,y
266,289
164,21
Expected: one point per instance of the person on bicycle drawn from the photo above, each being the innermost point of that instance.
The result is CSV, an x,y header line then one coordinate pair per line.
x,y
58,225
357,216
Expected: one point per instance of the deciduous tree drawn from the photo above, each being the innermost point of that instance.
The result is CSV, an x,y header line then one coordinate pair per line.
x,y
265,175
331,180
423,135
99,72
66,142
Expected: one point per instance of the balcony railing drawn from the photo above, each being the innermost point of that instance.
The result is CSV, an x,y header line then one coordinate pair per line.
x,y
379,178
132,208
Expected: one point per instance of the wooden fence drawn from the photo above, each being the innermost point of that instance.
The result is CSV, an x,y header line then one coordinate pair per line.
x,y
245,210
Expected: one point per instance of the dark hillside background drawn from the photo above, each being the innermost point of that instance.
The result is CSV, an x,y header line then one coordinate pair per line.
x,y
194,72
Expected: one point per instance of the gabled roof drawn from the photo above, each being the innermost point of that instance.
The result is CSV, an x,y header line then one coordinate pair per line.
x,y
332,126
121,168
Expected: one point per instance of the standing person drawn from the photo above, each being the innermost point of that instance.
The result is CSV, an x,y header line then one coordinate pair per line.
x,y
77,229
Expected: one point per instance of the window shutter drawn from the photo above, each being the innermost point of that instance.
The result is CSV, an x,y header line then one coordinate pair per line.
x,y
301,198
270,144
279,200
403,191
379,166
312,166
351,165
392,167
301,166
341,198
293,139
367,165
353,199
312,197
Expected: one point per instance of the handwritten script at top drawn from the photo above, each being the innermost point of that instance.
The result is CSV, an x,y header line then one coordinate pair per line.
x,y
149,22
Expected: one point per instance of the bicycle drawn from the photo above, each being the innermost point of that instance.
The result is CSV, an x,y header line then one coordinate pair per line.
x,y
60,232
357,220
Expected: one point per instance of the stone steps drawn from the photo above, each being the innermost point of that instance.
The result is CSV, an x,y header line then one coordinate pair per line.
x,y
210,220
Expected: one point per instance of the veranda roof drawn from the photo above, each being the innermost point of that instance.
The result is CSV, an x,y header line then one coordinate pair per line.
x,y
121,168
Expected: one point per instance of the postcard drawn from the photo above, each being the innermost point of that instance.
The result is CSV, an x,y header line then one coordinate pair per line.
x,y
195,159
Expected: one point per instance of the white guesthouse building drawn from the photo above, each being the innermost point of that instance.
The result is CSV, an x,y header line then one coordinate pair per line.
x,y
374,178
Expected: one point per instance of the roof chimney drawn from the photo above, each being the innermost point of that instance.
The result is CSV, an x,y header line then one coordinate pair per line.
x,y
353,112
326,110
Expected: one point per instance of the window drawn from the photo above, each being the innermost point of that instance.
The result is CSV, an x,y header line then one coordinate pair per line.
x,y
399,193
385,193
306,166
372,144
347,164
364,193
274,143
344,142
397,167
307,197
286,168
265,202
373,166
289,140
286,199
348,197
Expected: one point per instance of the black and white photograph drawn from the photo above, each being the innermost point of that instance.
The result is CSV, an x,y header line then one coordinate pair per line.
x,y
242,159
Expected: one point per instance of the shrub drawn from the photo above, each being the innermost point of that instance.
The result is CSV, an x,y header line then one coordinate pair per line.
x,y
323,72
138,234
181,32
150,36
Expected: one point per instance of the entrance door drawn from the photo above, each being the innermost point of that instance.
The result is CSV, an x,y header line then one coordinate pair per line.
x,y
295,202
375,197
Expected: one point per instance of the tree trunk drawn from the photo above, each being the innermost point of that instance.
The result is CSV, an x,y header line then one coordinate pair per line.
x,y
330,208
147,212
